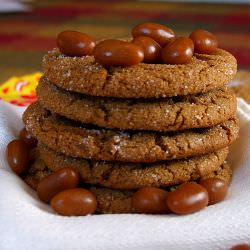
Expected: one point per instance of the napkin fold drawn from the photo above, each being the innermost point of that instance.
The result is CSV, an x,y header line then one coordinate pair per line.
x,y
28,224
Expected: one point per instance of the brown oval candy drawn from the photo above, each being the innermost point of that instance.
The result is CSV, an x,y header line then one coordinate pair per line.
x,y
27,138
151,49
74,43
160,33
179,51
204,41
216,188
241,247
150,200
187,198
18,156
50,185
74,202
113,52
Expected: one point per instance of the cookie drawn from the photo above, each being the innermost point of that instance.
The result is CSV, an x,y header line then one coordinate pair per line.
x,y
111,200
169,114
241,85
243,91
84,75
75,140
120,175
37,171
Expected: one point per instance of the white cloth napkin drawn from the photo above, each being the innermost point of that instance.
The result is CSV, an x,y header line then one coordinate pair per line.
x,y
28,224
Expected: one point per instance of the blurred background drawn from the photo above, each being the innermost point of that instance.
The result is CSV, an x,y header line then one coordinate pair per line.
x,y
29,28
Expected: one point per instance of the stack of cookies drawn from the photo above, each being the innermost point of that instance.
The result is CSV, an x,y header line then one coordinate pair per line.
x,y
123,128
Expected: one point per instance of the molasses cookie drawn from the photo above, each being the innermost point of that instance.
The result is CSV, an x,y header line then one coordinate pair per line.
x,y
169,114
241,85
120,175
85,75
77,140
111,200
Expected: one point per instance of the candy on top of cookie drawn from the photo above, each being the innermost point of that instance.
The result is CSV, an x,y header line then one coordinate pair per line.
x,y
152,43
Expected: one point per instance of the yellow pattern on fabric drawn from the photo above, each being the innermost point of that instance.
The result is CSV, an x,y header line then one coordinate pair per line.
x,y
20,91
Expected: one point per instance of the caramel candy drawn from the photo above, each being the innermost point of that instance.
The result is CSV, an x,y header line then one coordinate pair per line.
x,y
74,43
150,200
113,52
160,33
151,49
18,156
27,137
216,188
241,247
188,198
179,51
74,202
50,185
204,42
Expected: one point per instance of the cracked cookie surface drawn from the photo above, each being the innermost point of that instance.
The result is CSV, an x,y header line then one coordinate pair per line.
x,y
111,200
76,140
120,175
169,114
84,75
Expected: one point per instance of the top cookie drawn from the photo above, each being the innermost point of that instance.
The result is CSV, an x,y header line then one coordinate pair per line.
x,y
85,75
